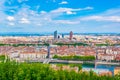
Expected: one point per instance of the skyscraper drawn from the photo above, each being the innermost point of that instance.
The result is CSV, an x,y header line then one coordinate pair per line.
x,y
55,34
58,36
62,35
71,35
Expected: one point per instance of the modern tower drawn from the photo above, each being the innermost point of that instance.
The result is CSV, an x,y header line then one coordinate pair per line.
x,y
58,36
71,35
62,35
55,34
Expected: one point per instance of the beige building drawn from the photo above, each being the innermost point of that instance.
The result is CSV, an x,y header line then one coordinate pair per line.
x,y
33,55
107,57
117,70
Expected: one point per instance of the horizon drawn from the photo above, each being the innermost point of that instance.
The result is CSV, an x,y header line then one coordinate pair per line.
x,y
59,32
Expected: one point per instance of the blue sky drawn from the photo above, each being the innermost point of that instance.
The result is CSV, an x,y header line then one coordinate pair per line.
x,y
82,16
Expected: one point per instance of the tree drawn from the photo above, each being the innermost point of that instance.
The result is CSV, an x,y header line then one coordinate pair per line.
x,y
38,71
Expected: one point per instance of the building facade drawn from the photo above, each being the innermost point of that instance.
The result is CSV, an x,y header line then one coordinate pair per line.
x,y
71,35
55,35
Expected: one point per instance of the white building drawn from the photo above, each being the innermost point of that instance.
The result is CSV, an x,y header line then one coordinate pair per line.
x,y
33,55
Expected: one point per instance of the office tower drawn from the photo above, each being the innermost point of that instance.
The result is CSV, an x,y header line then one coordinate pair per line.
x,y
55,34
58,36
71,35
62,35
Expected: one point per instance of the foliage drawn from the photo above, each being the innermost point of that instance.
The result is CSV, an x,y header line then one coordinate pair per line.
x,y
71,44
102,45
71,65
38,71
83,58
107,44
16,45
2,58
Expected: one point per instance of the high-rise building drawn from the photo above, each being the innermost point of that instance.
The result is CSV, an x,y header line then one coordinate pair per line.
x,y
62,35
71,35
55,34
58,36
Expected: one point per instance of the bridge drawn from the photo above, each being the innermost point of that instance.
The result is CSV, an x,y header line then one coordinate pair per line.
x,y
48,60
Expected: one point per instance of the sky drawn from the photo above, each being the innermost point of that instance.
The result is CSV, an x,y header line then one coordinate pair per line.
x,y
79,16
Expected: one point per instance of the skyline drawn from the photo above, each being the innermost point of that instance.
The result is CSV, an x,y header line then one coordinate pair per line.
x,y
37,16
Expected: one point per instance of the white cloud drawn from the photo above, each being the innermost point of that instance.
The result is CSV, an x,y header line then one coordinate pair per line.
x,y
69,10
10,18
20,1
27,16
102,18
115,12
43,12
61,10
110,15
39,24
37,7
88,8
13,11
11,24
24,21
64,2
9,2
66,22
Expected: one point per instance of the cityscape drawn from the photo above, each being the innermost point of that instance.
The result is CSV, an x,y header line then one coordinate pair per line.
x,y
59,40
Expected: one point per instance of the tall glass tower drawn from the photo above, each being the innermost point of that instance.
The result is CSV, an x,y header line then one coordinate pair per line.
x,y
55,34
